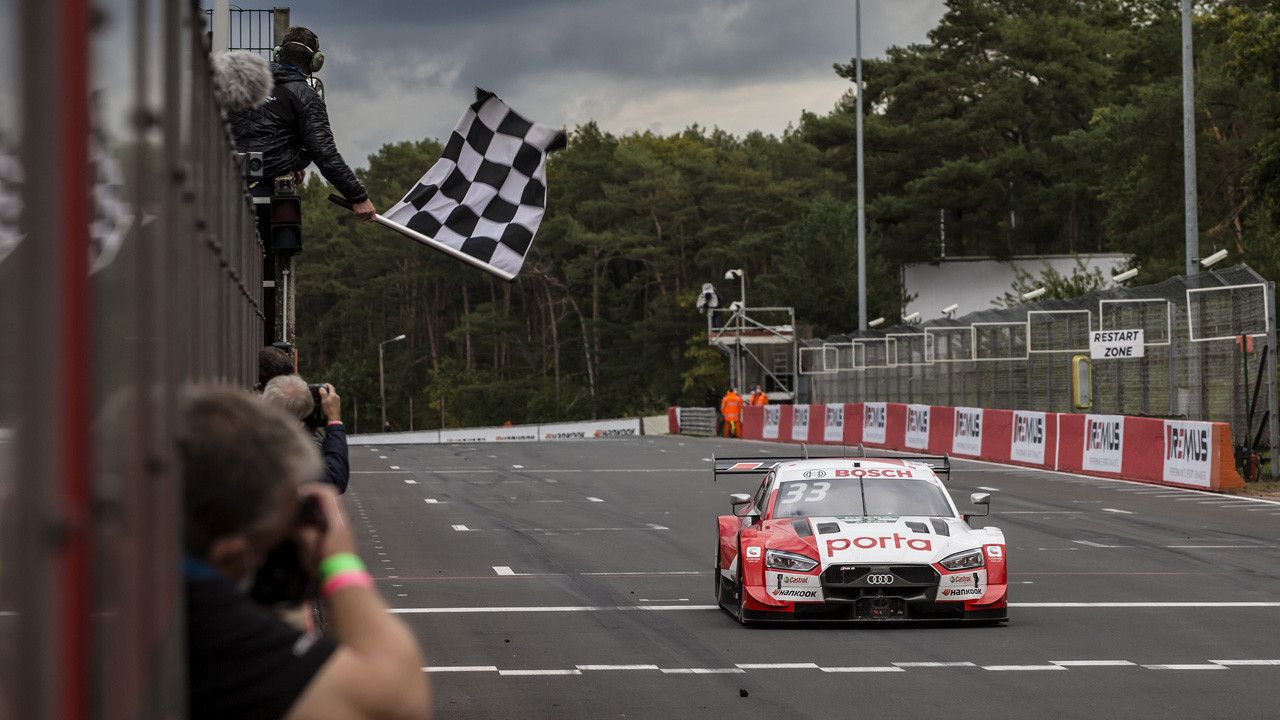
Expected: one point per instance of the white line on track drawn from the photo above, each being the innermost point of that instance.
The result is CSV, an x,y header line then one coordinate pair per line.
x,y
380,472
593,499
1114,510
863,669
660,572
382,457
670,608
1216,546
1094,544
461,528
395,467
503,570
1005,668
988,489
517,467
897,667
410,481
1042,512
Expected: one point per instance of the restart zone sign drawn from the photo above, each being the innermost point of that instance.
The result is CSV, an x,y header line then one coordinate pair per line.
x,y
1113,344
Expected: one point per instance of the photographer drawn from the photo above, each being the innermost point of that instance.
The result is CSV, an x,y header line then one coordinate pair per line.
x,y
296,397
244,467
272,363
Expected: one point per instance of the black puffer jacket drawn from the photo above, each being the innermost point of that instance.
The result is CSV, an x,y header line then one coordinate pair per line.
x,y
291,130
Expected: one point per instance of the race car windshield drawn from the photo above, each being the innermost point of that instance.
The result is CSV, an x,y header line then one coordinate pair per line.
x,y
861,497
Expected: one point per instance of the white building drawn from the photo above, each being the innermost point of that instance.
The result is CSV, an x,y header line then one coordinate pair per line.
x,y
974,283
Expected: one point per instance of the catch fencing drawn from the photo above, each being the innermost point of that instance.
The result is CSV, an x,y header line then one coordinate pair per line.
x,y
1195,364
117,286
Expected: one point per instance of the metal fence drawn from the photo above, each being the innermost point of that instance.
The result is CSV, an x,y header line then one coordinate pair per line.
x,y
1194,365
129,265
255,30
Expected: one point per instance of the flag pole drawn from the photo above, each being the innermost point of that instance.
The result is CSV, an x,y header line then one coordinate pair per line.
x,y
429,242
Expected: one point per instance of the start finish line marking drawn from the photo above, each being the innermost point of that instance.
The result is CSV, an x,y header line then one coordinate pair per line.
x,y
667,608
897,667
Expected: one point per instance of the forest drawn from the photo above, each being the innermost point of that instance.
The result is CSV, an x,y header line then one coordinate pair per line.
x,y
1020,126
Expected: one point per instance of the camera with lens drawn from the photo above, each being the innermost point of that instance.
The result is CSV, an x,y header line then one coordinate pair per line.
x,y
283,578
316,419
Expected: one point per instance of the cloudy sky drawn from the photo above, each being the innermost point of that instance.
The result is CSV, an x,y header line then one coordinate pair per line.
x,y
405,69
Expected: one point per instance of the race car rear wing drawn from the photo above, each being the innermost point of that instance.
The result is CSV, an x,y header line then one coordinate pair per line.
x,y
939,464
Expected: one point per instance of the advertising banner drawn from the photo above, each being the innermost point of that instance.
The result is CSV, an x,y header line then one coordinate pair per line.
x,y
875,419
1103,443
966,439
834,431
1187,455
800,423
772,418
918,427
588,430
1029,441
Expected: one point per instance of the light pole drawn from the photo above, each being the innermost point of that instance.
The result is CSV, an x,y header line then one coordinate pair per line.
x,y
382,384
1191,215
736,370
862,218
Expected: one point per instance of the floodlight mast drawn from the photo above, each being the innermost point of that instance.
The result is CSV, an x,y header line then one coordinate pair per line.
x,y
862,216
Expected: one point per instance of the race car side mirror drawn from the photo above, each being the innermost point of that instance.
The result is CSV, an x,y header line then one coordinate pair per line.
x,y
742,505
983,499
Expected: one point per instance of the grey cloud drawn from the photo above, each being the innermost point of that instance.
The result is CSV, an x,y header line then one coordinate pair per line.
x,y
564,58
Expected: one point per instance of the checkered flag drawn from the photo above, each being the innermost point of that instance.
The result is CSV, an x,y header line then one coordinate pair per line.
x,y
484,198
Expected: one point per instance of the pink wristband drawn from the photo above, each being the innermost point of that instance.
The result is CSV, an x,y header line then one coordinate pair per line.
x,y
349,578
333,422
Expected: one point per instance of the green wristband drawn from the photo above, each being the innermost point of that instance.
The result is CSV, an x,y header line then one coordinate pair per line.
x,y
340,562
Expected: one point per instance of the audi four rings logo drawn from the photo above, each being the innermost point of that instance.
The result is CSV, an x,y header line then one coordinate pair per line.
x,y
815,473
880,579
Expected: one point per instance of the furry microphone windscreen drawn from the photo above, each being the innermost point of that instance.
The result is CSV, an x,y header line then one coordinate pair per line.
x,y
241,80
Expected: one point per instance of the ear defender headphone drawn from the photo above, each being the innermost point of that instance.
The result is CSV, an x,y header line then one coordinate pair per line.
x,y
317,57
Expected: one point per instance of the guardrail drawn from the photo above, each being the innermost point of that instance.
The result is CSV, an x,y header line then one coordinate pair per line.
x,y
1182,453
543,432
699,421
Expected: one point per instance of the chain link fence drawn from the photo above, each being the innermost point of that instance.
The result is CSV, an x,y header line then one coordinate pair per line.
x,y
1194,365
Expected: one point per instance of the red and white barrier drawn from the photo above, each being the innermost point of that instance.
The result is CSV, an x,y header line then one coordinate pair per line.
x,y
1166,452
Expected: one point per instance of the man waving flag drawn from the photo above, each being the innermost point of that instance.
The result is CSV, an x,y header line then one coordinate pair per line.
x,y
484,198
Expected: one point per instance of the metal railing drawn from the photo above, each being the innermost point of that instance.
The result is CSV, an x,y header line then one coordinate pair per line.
x,y
107,307
255,30
1194,363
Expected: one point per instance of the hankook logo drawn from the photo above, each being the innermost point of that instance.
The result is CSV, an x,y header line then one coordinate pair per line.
x,y
815,473
880,579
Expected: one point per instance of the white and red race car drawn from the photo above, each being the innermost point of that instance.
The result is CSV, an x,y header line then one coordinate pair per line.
x,y
869,538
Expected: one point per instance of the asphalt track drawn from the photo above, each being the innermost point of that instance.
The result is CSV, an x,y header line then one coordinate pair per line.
x,y
573,580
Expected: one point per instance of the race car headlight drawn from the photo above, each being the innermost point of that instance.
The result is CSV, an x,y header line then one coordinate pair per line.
x,y
782,560
964,560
